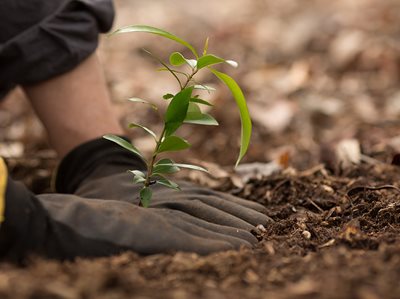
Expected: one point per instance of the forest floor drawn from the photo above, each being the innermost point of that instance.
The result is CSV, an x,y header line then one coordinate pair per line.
x,y
322,82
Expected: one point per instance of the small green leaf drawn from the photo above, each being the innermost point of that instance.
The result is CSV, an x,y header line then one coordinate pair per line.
x,y
203,87
177,59
125,144
157,31
165,165
137,173
244,112
195,116
176,111
200,119
208,60
232,63
171,162
145,196
138,176
205,48
173,143
138,100
165,168
133,125
164,161
165,182
200,101
190,166
138,180
168,96
193,107
191,62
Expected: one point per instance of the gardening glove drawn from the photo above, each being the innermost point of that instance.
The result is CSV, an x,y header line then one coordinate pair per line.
x,y
102,218
98,169
64,226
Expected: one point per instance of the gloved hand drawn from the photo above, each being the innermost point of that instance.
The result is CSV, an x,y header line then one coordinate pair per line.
x,y
102,217
201,203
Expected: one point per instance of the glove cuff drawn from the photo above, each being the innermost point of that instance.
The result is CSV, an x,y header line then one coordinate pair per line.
x,y
93,159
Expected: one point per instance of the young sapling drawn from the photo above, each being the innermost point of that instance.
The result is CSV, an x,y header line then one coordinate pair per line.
x,y
183,108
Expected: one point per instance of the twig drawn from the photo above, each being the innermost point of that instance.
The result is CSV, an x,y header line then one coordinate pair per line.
x,y
355,190
315,205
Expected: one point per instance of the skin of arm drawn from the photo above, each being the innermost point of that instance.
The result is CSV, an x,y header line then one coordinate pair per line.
x,y
74,107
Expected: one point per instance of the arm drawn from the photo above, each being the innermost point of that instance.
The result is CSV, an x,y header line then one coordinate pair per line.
x,y
74,107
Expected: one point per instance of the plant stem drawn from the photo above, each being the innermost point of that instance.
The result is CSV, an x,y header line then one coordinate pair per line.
x,y
189,79
166,66
150,165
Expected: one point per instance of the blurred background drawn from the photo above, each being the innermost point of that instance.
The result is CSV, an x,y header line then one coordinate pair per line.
x,y
314,72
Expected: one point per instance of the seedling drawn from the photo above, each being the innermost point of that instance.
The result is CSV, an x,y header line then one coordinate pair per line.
x,y
183,108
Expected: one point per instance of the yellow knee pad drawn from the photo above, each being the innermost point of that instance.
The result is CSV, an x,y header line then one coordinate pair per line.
x,y
3,187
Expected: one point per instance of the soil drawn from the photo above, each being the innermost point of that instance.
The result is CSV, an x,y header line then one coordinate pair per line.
x,y
315,73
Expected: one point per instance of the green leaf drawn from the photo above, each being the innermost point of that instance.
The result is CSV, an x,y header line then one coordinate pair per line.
x,y
232,63
168,96
193,107
203,87
165,165
173,143
195,116
133,125
165,182
176,111
190,166
138,180
125,144
192,63
138,100
177,59
199,118
244,112
145,196
164,161
205,48
165,168
208,60
137,173
138,176
200,101
157,31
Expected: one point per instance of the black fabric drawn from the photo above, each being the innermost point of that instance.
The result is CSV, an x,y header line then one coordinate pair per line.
x,y
79,165
40,39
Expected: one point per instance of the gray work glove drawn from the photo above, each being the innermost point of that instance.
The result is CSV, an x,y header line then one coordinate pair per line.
x,y
97,213
194,202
